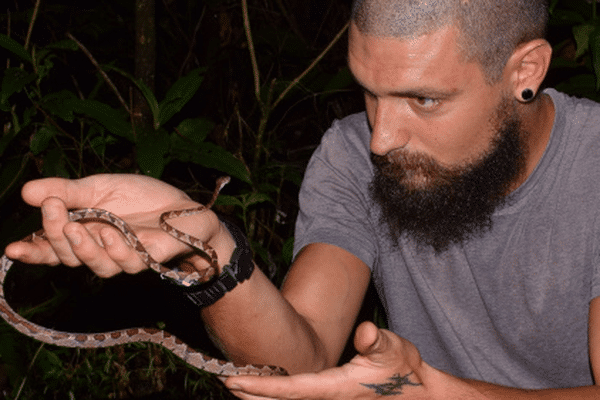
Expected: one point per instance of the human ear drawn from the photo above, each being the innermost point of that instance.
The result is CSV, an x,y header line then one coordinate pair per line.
x,y
528,67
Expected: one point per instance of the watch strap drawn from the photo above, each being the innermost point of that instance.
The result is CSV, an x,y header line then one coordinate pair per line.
x,y
238,270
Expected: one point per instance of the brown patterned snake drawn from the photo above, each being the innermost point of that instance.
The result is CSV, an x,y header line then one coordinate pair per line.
x,y
165,339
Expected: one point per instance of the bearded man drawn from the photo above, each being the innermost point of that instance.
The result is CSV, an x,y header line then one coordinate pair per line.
x,y
465,191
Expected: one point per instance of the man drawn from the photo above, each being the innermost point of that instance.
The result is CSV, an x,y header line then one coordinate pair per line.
x,y
467,193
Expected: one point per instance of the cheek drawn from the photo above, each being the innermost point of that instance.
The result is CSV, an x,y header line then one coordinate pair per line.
x,y
453,142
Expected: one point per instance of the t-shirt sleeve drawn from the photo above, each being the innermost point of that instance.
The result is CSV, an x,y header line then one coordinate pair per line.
x,y
334,199
595,286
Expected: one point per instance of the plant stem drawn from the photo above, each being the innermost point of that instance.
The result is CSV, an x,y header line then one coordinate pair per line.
x,y
104,75
8,20
28,369
33,18
268,107
312,65
255,70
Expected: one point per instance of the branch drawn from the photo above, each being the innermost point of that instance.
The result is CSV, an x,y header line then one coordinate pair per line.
x,y
251,49
311,66
33,18
104,75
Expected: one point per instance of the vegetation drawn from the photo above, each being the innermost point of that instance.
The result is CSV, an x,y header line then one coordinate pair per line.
x,y
189,92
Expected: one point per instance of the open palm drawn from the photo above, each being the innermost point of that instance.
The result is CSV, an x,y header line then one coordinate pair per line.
x,y
139,200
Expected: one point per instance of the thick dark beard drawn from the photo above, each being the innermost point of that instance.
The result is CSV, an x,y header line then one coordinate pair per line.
x,y
437,206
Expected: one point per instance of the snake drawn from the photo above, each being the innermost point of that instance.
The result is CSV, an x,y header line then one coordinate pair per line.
x,y
163,338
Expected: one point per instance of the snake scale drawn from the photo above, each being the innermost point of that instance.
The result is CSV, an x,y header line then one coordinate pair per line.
x,y
118,337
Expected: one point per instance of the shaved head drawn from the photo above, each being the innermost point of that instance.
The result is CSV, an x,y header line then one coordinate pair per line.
x,y
490,29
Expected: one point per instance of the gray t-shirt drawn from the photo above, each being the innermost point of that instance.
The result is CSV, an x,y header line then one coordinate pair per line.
x,y
508,307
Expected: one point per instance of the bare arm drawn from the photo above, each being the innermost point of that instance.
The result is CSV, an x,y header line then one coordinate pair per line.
x,y
389,364
306,325
302,328
483,390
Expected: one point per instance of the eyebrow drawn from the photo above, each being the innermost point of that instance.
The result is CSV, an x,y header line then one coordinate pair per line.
x,y
414,93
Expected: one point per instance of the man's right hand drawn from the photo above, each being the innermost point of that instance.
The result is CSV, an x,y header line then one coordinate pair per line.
x,y
137,199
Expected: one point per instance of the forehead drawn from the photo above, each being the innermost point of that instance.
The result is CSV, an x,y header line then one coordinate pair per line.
x,y
388,63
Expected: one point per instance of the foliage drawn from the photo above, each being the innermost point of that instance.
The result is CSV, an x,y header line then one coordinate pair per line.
x,y
243,88
65,104
575,33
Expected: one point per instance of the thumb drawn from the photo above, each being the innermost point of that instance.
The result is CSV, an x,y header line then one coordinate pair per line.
x,y
370,341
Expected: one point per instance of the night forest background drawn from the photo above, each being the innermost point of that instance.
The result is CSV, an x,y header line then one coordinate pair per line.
x,y
184,91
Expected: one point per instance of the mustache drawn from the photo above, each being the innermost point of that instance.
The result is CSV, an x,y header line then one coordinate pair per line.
x,y
406,166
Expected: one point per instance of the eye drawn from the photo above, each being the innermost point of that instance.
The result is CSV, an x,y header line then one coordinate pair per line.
x,y
426,103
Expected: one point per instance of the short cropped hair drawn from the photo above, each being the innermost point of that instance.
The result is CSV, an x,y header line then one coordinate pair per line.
x,y
490,30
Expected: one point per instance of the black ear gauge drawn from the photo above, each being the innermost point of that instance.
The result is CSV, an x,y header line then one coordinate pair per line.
x,y
527,95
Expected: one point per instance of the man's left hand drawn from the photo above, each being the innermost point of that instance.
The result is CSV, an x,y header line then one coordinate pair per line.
x,y
386,365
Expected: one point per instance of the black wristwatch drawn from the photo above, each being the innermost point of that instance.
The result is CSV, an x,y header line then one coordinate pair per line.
x,y
239,269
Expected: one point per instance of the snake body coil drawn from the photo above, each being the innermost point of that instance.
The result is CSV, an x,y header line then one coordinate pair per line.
x,y
160,337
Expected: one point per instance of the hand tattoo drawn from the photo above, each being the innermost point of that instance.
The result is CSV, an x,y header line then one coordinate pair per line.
x,y
390,389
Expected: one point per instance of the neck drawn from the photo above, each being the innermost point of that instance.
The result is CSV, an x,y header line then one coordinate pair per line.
x,y
537,119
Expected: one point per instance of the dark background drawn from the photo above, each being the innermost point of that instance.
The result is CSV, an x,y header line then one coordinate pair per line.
x,y
258,123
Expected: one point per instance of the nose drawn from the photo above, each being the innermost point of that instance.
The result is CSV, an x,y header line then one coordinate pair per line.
x,y
388,132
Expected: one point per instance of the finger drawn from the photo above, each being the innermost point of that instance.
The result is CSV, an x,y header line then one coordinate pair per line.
x,y
366,337
121,252
384,348
87,251
37,251
246,396
379,346
54,219
326,384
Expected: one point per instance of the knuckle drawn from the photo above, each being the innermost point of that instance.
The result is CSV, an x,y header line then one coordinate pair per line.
x,y
69,262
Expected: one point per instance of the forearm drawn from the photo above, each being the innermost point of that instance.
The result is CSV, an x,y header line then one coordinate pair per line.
x,y
450,387
495,392
254,324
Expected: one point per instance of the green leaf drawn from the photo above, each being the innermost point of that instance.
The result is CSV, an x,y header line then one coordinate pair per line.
x,y
195,129
14,47
560,62
152,148
54,164
11,357
39,140
582,38
113,120
66,44
10,174
44,64
226,200
287,252
566,18
14,80
179,94
50,363
255,198
60,104
582,85
342,80
66,105
7,138
211,156
146,92
99,140
595,48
